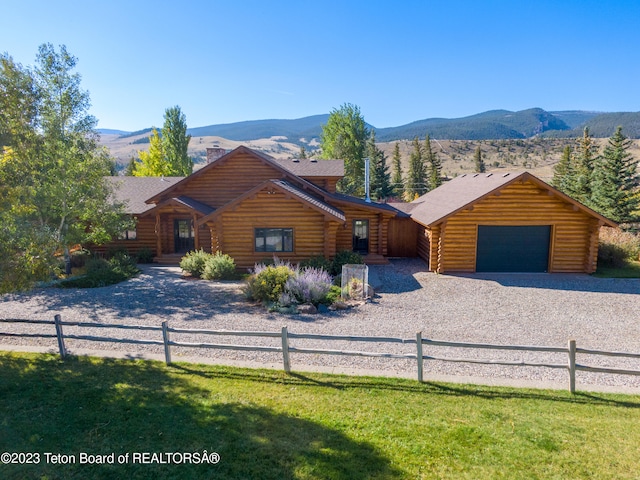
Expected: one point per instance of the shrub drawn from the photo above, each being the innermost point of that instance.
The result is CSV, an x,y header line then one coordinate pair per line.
x,y
144,255
343,258
333,295
319,261
219,266
101,272
193,262
617,247
267,284
311,285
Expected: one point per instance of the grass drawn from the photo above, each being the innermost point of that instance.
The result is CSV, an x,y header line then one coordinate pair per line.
x,y
630,270
269,425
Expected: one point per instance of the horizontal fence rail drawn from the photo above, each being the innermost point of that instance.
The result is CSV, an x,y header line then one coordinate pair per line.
x,y
418,344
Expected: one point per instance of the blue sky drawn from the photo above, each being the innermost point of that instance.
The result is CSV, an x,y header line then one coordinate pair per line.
x,y
399,61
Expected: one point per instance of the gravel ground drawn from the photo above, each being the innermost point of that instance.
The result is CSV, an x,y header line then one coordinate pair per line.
x,y
508,309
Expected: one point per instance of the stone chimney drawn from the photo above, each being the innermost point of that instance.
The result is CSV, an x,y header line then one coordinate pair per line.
x,y
214,153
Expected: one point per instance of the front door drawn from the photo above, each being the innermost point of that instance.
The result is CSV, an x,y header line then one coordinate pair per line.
x,y
183,235
361,236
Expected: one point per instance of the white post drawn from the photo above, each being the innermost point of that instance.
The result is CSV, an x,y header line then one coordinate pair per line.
x,y
285,350
165,339
419,356
572,366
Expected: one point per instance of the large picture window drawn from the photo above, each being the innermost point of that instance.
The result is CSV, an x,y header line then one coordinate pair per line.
x,y
274,239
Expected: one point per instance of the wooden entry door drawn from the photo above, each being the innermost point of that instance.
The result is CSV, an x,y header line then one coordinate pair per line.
x,y
183,235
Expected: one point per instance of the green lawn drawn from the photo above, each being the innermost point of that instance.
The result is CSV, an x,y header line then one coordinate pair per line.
x,y
269,425
630,270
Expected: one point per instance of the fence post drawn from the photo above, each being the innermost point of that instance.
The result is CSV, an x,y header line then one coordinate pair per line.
x,y
58,323
419,356
165,339
572,366
285,350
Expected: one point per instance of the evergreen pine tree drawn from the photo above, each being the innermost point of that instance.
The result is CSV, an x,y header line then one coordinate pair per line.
x,y
432,164
396,179
417,176
615,180
381,188
303,153
563,171
480,166
578,184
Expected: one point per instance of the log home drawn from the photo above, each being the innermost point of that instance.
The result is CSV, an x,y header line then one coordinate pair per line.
x,y
252,206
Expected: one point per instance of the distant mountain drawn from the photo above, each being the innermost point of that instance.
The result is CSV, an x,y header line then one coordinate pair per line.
x,y
491,125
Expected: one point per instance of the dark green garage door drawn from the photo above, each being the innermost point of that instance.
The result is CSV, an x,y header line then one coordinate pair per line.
x,y
513,249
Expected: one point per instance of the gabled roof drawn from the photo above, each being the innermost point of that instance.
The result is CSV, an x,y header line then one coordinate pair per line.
x,y
285,187
361,202
462,192
182,201
134,191
306,167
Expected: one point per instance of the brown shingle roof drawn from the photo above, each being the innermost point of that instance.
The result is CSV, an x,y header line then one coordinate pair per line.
x,y
134,191
306,167
465,190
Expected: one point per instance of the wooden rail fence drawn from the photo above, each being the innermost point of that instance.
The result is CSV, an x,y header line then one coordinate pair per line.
x,y
571,350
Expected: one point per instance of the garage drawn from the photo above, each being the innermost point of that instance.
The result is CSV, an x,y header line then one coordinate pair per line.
x,y
505,222
521,248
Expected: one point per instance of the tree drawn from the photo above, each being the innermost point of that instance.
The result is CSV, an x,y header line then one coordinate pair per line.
x,y
563,171
578,184
167,154
432,164
303,153
379,171
345,137
52,169
479,161
396,179
417,175
175,142
615,180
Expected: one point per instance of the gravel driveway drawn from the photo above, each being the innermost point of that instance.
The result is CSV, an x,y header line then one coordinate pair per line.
x,y
517,309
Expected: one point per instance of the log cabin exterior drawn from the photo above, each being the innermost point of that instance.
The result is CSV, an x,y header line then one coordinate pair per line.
x,y
252,206
510,222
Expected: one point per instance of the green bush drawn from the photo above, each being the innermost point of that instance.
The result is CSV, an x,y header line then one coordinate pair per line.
x,y
219,266
268,283
345,257
333,295
193,262
617,247
101,272
144,255
318,262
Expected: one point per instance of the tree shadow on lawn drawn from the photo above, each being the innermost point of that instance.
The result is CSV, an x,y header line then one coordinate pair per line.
x,y
102,407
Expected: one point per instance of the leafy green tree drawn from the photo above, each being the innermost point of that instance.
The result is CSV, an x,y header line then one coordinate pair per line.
x,y
417,175
396,179
433,164
479,161
380,177
52,170
615,181
303,153
175,142
152,162
563,171
345,137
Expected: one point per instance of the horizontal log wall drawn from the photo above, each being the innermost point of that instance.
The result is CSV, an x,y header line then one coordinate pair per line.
x,y
229,180
233,233
145,238
571,247
345,233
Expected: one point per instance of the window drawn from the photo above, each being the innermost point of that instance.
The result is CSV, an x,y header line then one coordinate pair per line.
x,y
128,235
274,239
